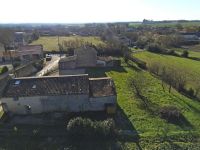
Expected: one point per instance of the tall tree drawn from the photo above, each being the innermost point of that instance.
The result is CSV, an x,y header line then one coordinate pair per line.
x,y
6,37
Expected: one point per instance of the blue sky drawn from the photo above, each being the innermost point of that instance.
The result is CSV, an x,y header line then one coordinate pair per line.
x,y
80,11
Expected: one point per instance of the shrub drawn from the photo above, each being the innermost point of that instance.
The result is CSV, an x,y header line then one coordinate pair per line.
x,y
185,53
153,47
4,70
81,128
170,113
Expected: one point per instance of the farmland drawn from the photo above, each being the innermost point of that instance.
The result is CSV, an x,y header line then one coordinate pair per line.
x,y
167,24
51,42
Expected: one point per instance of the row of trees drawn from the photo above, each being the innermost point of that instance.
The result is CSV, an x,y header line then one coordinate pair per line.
x,y
175,77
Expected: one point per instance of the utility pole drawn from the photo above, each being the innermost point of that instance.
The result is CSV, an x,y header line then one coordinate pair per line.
x,y
59,45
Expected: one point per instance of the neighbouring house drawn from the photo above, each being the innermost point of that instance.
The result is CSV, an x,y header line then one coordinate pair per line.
x,y
23,53
83,57
30,52
7,55
74,93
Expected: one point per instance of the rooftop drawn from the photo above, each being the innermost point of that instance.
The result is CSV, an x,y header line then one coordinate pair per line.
x,y
102,87
44,86
30,48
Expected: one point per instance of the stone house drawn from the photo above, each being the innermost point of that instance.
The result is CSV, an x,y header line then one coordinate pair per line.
x,y
30,52
23,53
75,93
83,57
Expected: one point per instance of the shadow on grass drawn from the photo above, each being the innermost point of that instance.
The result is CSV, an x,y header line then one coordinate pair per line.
x,y
194,109
129,132
133,66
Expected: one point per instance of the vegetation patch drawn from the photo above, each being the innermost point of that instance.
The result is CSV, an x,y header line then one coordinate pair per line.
x,y
3,70
83,128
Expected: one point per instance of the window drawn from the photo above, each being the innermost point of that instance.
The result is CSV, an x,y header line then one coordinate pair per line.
x,y
17,82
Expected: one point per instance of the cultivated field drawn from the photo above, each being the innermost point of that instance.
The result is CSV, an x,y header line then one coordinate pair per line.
x,y
51,42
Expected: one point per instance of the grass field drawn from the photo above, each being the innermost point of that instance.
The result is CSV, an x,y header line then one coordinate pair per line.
x,y
190,67
147,122
51,42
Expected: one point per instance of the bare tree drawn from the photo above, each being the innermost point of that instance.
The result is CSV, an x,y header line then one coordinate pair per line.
x,y
6,37
154,68
197,87
139,83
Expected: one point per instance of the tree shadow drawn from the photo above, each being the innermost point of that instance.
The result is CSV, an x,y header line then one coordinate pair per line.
x,y
129,132
189,105
133,67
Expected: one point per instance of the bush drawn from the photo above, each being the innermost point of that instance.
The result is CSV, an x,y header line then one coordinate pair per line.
x,y
4,70
81,128
153,47
185,54
170,113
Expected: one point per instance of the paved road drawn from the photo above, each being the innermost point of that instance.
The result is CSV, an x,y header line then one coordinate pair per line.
x,y
50,66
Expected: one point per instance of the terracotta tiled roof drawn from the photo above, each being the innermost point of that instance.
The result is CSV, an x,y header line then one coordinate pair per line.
x,y
47,86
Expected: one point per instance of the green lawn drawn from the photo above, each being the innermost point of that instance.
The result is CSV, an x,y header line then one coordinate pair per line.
x,y
147,122
51,42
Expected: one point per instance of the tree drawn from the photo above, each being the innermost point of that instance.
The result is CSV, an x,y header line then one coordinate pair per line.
x,y
35,35
139,83
197,87
154,68
185,54
168,76
6,37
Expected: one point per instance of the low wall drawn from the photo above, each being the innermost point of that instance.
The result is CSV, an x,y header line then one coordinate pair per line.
x,y
26,70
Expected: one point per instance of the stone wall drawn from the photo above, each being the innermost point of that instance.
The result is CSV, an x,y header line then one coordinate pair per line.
x,y
65,103
86,57
42,104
